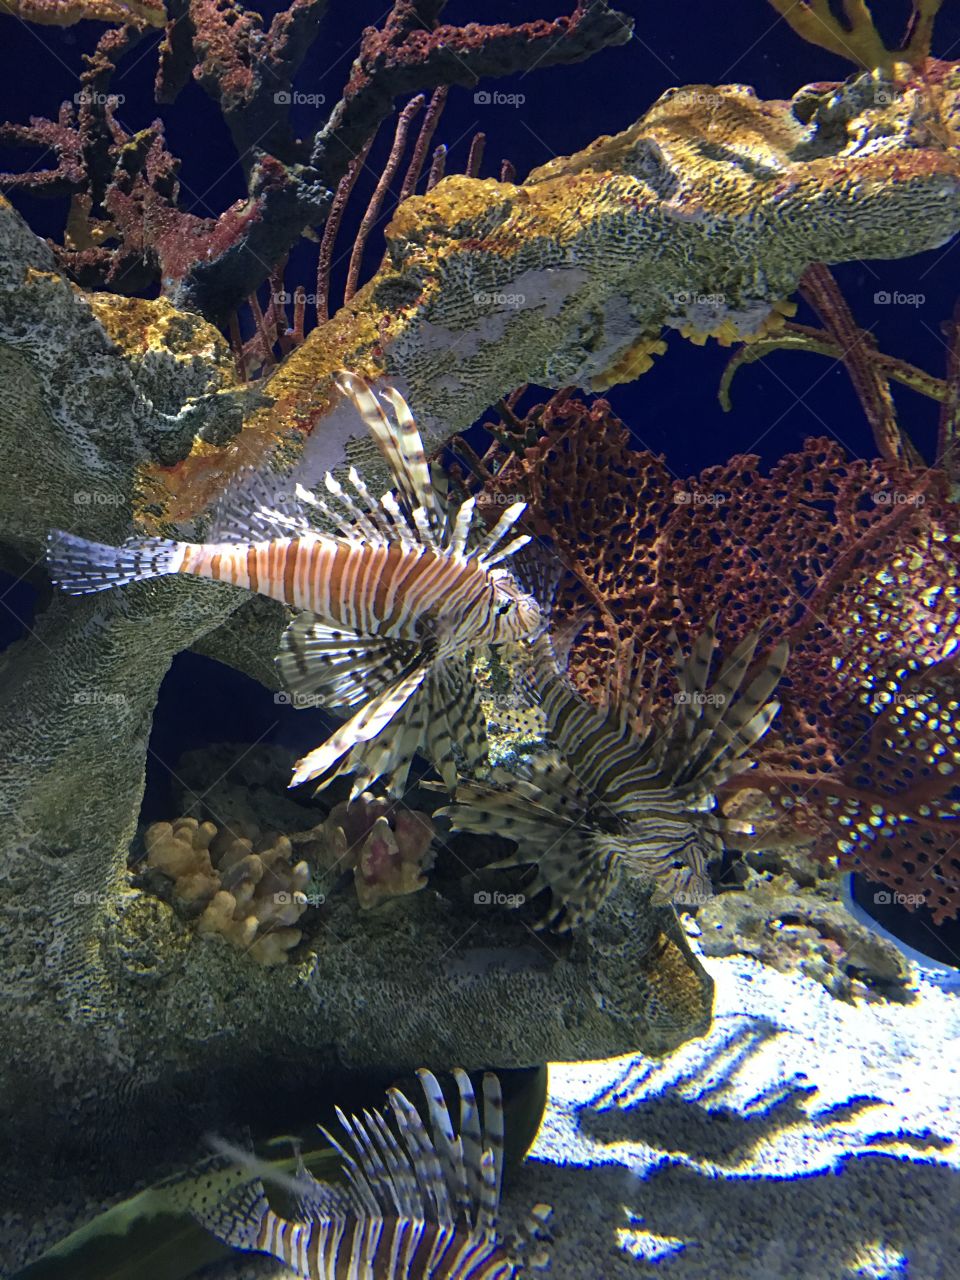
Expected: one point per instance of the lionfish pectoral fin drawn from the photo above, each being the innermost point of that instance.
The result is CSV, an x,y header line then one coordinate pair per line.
x,y
369,721
251,510
337,667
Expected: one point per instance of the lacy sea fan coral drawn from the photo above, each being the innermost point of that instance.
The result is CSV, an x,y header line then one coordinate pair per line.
x,y
853,562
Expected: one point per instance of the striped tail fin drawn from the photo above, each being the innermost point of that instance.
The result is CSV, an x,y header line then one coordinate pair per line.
x,y
80,567
236,1218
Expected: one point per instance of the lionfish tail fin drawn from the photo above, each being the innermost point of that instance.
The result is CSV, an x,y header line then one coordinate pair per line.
x,y
237,1217
80,567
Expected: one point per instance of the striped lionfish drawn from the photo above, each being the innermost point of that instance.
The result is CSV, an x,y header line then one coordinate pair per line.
x,y
417,1205
620,791
388,605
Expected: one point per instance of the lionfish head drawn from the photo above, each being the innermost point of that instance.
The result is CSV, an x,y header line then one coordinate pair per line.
x,y
517,614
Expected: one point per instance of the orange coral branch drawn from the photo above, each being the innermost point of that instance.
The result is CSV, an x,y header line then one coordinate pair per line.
x,y
819,288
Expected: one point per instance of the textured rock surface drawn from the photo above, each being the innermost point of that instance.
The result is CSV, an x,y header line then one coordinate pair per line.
x,y
804,933
700,217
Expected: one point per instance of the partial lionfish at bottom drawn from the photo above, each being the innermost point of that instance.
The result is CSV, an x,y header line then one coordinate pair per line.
x,y
417,1205
389,604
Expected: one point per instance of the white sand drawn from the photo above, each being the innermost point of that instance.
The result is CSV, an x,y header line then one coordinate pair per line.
x,y
802,1139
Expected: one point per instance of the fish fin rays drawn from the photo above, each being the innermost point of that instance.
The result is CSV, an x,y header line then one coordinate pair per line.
x,y
251,510
337,667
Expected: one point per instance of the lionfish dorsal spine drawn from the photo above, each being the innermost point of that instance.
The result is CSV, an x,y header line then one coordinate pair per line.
x,y
491,540
401,447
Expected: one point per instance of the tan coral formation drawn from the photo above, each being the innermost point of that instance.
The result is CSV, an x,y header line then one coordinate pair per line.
x,y
251,890
65,13
701,217
385,846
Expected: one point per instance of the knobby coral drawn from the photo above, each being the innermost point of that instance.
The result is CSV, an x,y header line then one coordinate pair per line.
x,y
250,890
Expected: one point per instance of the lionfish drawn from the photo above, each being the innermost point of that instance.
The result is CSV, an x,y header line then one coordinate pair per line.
x,y
417,1205
389,605
620,791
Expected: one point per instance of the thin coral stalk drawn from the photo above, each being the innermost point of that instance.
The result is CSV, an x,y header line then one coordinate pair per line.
x,y
820,290
475,158
380,193
948,435
801,337
331,229
424,138
437,166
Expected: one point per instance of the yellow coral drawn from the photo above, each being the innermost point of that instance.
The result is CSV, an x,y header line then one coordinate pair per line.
x,y
730,331
634,361
249,886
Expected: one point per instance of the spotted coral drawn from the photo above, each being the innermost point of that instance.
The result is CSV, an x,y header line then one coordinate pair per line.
x,y
249,888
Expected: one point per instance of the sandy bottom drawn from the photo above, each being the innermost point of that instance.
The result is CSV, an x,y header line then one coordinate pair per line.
x,y
802,1139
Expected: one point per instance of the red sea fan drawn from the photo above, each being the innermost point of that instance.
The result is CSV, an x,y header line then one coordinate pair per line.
x,y
854,562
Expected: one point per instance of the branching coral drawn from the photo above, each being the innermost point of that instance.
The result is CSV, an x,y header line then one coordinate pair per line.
x,y
853,562
859,41
246,882
124,185
385,845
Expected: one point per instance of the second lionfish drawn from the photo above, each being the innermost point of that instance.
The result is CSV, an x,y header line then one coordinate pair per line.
x,y
389,604
419,1204
622,791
